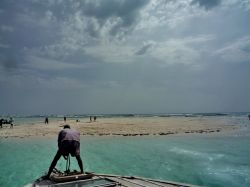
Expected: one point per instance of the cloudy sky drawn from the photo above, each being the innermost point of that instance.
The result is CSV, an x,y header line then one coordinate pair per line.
x,y
124,56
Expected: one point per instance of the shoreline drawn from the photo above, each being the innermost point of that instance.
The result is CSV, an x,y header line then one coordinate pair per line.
x,y
126,127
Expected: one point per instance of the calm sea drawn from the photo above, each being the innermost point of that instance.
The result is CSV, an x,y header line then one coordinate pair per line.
x,y
201,160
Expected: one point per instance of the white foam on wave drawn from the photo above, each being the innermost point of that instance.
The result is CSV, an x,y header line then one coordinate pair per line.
x,y
196,154
230,174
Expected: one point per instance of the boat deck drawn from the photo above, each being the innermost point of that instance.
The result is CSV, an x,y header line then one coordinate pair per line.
x,y
103,180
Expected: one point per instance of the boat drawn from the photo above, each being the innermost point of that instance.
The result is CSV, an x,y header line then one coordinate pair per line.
x,y
89,179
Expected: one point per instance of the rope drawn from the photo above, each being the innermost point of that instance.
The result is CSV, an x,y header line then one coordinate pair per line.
x,y
68,164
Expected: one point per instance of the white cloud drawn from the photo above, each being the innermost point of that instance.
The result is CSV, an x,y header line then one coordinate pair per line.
x,y
244,4
237,51
79,30
160,13
197,39
179,50
111,53
175,52
172,51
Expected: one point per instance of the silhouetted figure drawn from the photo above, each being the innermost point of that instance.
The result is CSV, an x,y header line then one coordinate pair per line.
x,y
68,143
249,116
90,118
46,120
11,122
94,118
64,118
1,123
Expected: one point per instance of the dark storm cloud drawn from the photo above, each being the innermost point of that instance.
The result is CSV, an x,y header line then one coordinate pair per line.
x,y
127,13
43,22
109,8
207,4
30,25
124,56
40,26
124,13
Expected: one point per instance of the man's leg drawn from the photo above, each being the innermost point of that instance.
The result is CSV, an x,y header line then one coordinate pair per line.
x,y
79,160
53,164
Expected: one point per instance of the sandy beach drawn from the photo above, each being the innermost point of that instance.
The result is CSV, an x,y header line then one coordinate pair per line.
x,y
122,127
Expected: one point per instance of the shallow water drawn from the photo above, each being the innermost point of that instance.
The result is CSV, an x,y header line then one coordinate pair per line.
x,y
207,161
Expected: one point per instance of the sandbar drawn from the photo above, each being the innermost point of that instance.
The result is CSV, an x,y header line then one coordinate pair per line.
x,y
123,126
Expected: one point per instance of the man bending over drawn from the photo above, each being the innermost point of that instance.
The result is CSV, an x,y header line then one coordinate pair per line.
x,y
68,143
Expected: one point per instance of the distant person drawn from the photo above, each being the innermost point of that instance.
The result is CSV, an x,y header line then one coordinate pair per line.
x,y
90,118
94,118
46,120
11,122
1,123
77,120
249,116
64,118
68,143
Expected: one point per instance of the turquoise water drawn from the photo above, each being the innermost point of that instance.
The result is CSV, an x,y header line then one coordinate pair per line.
x,y
207,161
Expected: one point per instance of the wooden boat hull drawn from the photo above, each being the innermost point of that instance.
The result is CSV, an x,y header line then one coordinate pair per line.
x,y
104,180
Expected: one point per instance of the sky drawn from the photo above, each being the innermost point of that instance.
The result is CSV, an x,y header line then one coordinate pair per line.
x,y
124,56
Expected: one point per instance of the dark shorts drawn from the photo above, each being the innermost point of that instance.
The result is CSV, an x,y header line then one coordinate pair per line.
x,y
70,147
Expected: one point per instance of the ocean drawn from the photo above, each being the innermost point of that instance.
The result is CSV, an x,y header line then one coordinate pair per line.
x,y
206,160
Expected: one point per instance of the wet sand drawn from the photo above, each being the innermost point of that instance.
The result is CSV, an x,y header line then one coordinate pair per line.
x,y
123,127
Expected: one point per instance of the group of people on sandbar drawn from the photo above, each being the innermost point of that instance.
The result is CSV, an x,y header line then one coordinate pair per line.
x,y
5,121
46,121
